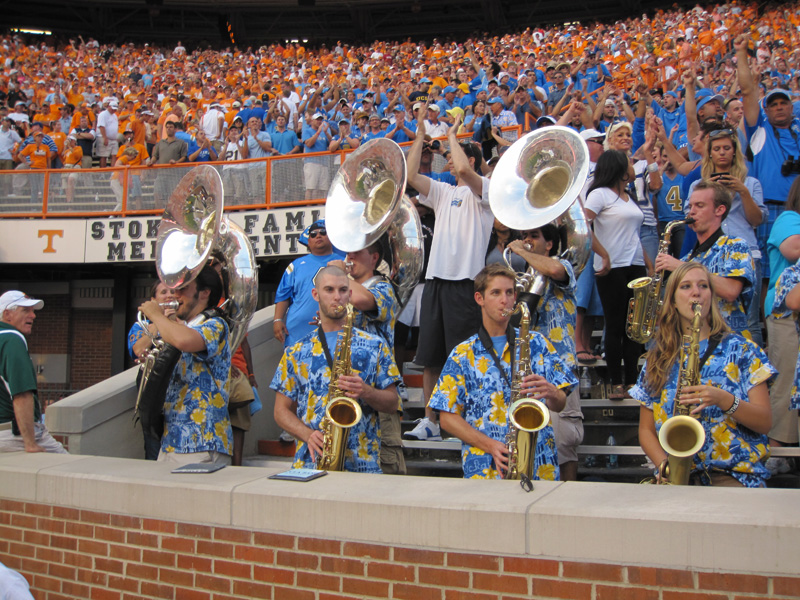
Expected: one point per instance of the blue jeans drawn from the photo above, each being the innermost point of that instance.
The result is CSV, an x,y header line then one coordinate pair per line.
x,y
754,312
648,234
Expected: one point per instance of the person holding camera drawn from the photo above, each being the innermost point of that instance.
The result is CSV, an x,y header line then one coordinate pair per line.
x,y
774,142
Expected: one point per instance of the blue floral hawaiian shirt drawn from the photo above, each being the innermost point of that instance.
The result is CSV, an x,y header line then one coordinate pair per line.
x,y
737,365
196,405
787,280
303,376
730,257
473,387
557,315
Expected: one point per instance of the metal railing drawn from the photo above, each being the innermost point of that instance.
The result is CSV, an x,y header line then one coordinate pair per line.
x,y
273,182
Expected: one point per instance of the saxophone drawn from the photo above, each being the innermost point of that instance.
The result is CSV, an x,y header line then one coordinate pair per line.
x,y
647,298
341,412
526,416
682,436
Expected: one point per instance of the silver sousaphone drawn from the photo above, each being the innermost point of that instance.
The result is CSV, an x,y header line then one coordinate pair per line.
x,y
193,228
366,200
538,180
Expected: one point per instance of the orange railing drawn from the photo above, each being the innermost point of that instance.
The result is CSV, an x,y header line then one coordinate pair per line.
x,y
274,182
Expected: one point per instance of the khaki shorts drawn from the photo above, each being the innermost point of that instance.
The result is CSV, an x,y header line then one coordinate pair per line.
x,y
241,395
101,150
783,344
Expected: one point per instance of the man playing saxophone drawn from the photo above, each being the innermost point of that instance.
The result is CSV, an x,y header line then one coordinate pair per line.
x,y
376,306
731,400
302,380
474,390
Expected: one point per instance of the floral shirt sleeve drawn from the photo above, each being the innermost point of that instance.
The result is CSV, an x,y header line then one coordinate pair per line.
x,y
786,282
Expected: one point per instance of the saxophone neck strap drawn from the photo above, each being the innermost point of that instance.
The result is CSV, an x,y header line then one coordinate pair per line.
x,y
486,340
713,342
324,341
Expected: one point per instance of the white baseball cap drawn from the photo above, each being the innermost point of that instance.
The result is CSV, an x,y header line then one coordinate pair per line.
x,y
15,298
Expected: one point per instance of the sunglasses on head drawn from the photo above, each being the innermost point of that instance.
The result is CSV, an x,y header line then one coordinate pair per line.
x,y
317,232
720,133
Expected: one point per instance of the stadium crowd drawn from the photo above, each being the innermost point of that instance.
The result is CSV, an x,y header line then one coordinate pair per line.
x,y
701,104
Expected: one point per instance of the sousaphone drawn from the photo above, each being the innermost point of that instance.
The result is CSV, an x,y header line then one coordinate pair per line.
x,y
366,200
538,180
192,228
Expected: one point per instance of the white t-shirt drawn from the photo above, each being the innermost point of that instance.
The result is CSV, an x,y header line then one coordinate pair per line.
x,y
463,226
111,122
616,227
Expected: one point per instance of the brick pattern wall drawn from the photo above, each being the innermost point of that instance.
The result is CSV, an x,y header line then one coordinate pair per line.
x,y
83,334
70,554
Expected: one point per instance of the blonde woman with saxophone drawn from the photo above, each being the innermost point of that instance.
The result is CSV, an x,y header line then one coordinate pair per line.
x,y
474,391
302,380
731,401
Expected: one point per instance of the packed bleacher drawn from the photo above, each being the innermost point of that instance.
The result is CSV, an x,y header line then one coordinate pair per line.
x,y
663,90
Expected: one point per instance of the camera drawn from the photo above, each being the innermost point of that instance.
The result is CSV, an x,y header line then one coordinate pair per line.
x,y
434,145
791,166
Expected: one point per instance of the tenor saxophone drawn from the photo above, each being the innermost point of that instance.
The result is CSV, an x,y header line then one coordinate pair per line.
x,y
341,412
648,297
526,416
682,436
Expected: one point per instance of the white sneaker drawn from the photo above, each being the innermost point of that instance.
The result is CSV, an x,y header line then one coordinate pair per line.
x,y
425,430
286,438
778,465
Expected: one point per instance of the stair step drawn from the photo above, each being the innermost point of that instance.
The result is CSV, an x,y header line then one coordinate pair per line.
x,y
276,448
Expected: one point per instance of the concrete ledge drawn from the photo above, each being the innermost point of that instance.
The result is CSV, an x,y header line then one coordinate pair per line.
x,y
670,527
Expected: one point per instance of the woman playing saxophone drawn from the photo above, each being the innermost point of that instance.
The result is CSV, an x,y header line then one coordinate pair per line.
x,y
731,400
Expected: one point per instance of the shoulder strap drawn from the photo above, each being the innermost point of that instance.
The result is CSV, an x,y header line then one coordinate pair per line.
x,y
713,342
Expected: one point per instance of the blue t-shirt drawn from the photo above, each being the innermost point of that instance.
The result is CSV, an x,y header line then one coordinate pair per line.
x,y
771,146
786,225
321,145
204,155
669,198
284,141
401,136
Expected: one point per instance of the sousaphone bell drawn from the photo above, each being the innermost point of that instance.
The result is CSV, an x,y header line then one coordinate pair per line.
x,y
366,200
538,180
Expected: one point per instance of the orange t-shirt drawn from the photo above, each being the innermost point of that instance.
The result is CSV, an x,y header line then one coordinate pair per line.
x,y
72,156
37,153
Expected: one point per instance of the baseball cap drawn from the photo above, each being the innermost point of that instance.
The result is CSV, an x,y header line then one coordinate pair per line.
x,y
495,101
449,90
591,134
775,94
303,239
317,116
544,121
425,80
15,298
702,102
434,108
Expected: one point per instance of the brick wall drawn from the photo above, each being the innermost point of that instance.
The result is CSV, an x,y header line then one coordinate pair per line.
x,y
71,554
83,334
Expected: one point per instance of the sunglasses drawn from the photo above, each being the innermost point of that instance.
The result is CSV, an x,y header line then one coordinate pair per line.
x,y
721,132
317,232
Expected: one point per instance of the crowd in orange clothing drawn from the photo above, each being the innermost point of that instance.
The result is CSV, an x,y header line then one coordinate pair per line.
x,y
57,85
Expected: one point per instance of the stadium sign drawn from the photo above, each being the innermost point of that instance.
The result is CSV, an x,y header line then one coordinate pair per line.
x,y
273,233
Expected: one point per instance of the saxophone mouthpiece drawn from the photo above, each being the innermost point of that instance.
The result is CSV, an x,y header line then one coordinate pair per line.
x,y
688,220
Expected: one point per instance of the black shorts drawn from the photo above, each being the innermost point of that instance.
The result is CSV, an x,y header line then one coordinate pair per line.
x,y
448,316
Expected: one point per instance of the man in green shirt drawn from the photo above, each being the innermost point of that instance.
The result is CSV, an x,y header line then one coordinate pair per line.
x,y
19,400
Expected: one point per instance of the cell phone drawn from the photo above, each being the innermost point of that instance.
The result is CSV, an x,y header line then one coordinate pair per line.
x,y
715,175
